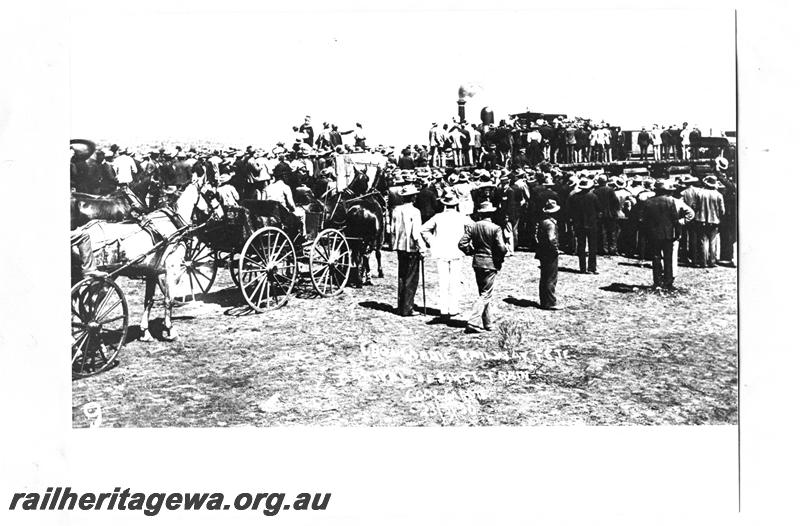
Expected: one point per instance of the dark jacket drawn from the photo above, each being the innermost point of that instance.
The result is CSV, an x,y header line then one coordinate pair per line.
x,y
583,210
660,218
406,162
427,203
607,202
547,239
483,241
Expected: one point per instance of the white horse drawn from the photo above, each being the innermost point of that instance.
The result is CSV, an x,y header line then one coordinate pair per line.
x,y
118,243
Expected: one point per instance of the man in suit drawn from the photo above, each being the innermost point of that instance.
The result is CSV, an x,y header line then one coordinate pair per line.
x,y
406,229
484,242
608,209
661,216
547,254
583,209
427,201
644,141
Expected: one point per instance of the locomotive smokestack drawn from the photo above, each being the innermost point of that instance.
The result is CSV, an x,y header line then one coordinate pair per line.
x,y
462,114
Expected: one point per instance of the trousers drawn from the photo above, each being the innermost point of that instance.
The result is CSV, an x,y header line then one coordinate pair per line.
x,y
662,261
407,281
449,280
608,236
548,278
482,308
709,244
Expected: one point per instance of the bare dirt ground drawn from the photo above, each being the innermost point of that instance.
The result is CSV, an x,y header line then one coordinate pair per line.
x,y
619,354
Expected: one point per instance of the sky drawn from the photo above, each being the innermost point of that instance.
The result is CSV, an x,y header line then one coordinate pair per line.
x,y
247,76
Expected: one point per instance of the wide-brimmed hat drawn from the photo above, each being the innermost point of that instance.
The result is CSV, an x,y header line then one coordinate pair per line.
x,y
485,207
224,177
711,181
585,184
407,191
617,182
449,198
688,179
551,207
547,180
664,185
452,179
463,177
722,163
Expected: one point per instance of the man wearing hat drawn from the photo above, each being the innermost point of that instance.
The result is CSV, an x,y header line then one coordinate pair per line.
x,y
183,170
609,207
661,217
484,242
709,208
407,241
442,233
547,254
427,201
124,167
463,189
583,208
226,193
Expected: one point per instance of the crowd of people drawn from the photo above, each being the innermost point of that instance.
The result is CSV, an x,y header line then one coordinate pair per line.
x,y
514,143
499,194
492,214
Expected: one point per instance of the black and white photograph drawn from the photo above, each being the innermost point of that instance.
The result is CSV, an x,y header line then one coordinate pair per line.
x,y
297,233
385,263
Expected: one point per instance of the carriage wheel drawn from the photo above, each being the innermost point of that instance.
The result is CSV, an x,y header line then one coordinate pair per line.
x,y
329,262
233,267
99,325
198,269
267,269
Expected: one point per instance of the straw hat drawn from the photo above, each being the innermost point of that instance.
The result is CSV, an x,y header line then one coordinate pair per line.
x,y
551,207
449,198
711,182
407,191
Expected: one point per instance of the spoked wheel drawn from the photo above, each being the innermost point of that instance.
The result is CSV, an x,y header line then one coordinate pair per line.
x,y
267,269
198,270
99,325
233,267
329,262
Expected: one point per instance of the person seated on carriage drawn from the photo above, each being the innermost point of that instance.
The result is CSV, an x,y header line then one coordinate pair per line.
x,y
278,192
83,256
226,192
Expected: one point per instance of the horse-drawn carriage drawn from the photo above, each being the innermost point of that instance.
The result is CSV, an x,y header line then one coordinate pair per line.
x,y
99,311
266,248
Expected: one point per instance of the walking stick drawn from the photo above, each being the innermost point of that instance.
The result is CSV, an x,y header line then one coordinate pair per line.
x,y
424,301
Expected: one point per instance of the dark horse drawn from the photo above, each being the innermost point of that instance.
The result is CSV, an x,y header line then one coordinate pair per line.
x,y
361,212
119,206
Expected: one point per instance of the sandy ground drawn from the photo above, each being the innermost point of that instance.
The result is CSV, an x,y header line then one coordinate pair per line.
x,y
618,354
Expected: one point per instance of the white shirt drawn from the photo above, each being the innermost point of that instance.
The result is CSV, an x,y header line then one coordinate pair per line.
x,y
124,167
443,232
280,192
228,195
